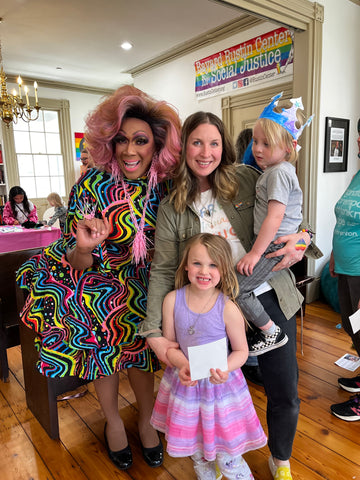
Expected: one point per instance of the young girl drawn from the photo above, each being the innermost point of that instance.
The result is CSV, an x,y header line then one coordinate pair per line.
x,y
19,209
277,212
55,200
212,418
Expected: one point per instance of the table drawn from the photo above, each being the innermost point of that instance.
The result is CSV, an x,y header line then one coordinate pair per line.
x,y
17,245
15,238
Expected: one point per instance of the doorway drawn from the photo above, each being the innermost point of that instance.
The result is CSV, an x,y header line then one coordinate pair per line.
x,y
306,19
241,111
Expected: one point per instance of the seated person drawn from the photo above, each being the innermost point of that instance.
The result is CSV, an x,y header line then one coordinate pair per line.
x,y
19,209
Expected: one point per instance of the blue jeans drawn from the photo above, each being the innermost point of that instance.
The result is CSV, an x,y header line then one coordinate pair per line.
x,y
280,376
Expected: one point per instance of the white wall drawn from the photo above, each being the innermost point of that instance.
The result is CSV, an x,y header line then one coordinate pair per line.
x,y
340,97
175,81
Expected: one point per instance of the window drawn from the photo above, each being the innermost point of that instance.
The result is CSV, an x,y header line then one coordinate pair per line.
x,y
42,150
39,157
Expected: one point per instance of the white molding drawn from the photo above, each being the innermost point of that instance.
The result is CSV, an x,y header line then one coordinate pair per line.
x,y
61,85
292,13
207,38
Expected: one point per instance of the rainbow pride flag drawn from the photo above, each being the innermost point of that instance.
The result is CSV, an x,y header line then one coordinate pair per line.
x,y
79,144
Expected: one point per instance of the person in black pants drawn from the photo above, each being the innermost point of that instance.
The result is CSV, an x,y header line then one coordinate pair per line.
x,y
345,264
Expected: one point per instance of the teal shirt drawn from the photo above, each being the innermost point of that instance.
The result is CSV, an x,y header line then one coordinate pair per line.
x,y
346,238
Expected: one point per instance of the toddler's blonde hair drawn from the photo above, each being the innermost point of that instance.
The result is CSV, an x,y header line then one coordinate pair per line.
x,y
277,136
55,199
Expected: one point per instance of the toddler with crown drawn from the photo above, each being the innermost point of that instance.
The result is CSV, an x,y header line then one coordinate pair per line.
x,y
277,212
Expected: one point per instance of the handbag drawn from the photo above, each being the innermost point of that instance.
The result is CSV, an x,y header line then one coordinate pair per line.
x,y
31,224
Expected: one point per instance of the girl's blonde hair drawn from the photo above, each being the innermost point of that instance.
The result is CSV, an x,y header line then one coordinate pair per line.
x,y
55,199
277,136
220,253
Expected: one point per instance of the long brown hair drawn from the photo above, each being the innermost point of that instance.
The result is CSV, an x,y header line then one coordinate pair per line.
x,y
14,191
219,251
223,180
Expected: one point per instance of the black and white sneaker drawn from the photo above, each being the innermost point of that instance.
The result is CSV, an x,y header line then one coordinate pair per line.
x,y
261,343
350,384
348,411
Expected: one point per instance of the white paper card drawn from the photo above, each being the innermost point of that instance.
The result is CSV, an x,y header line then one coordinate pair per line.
x,y
355,321
10,229
348,361
204,357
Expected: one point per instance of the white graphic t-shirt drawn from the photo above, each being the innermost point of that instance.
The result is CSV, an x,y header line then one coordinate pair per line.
x,y
214,220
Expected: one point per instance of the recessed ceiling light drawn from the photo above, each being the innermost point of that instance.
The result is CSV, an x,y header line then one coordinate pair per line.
x,y
126,45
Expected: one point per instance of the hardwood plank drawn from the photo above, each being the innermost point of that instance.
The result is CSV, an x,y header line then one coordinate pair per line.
x,y
325,447
53,453
19,459
85,448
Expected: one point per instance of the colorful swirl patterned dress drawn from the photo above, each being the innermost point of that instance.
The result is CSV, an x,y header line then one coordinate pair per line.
x,y
87,320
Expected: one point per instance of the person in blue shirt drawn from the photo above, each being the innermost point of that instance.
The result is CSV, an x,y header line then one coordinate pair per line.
x,y
345,264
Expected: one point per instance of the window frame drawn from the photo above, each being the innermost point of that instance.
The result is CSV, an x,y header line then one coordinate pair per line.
x,y
12,170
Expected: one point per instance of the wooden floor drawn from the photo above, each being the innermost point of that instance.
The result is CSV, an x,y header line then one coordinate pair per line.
x,y
325,447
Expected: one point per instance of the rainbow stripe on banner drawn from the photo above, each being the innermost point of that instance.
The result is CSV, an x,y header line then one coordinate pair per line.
x,y
79,144
257,60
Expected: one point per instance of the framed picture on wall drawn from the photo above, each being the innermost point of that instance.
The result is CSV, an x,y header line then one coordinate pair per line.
x,y
336,144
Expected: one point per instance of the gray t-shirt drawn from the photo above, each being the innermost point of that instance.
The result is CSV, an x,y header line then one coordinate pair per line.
x,y
279,183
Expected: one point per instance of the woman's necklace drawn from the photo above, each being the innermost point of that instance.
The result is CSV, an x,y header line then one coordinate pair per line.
x,y
206,213
191,329
140,241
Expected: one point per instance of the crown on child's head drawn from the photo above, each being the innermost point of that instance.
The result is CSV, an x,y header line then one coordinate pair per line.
x,y
287,117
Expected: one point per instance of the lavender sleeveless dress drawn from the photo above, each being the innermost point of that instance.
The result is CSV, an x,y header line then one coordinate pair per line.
x,y
205,418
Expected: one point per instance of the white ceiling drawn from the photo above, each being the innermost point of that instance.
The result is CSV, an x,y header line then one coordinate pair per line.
x,y
78,41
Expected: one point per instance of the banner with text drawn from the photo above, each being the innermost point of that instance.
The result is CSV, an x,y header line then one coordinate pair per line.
x,y
258,60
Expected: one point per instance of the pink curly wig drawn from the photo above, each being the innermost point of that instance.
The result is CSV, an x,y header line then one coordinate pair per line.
x,y
104,123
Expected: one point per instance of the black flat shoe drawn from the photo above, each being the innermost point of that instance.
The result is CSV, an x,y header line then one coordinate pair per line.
x,y
122,459
153,456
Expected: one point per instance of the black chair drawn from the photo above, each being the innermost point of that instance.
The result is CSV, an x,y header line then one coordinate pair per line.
x,y
41,392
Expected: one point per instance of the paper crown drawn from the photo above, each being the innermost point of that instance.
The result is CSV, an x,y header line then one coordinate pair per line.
x,y
287,117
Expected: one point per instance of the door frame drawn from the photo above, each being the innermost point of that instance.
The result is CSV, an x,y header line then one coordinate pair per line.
x,y
251,99
306,19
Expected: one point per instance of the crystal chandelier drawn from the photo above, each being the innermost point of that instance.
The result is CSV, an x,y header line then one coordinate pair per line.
x,y
13,106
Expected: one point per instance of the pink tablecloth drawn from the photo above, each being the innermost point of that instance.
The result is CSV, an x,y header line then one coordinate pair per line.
x,y
12,240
